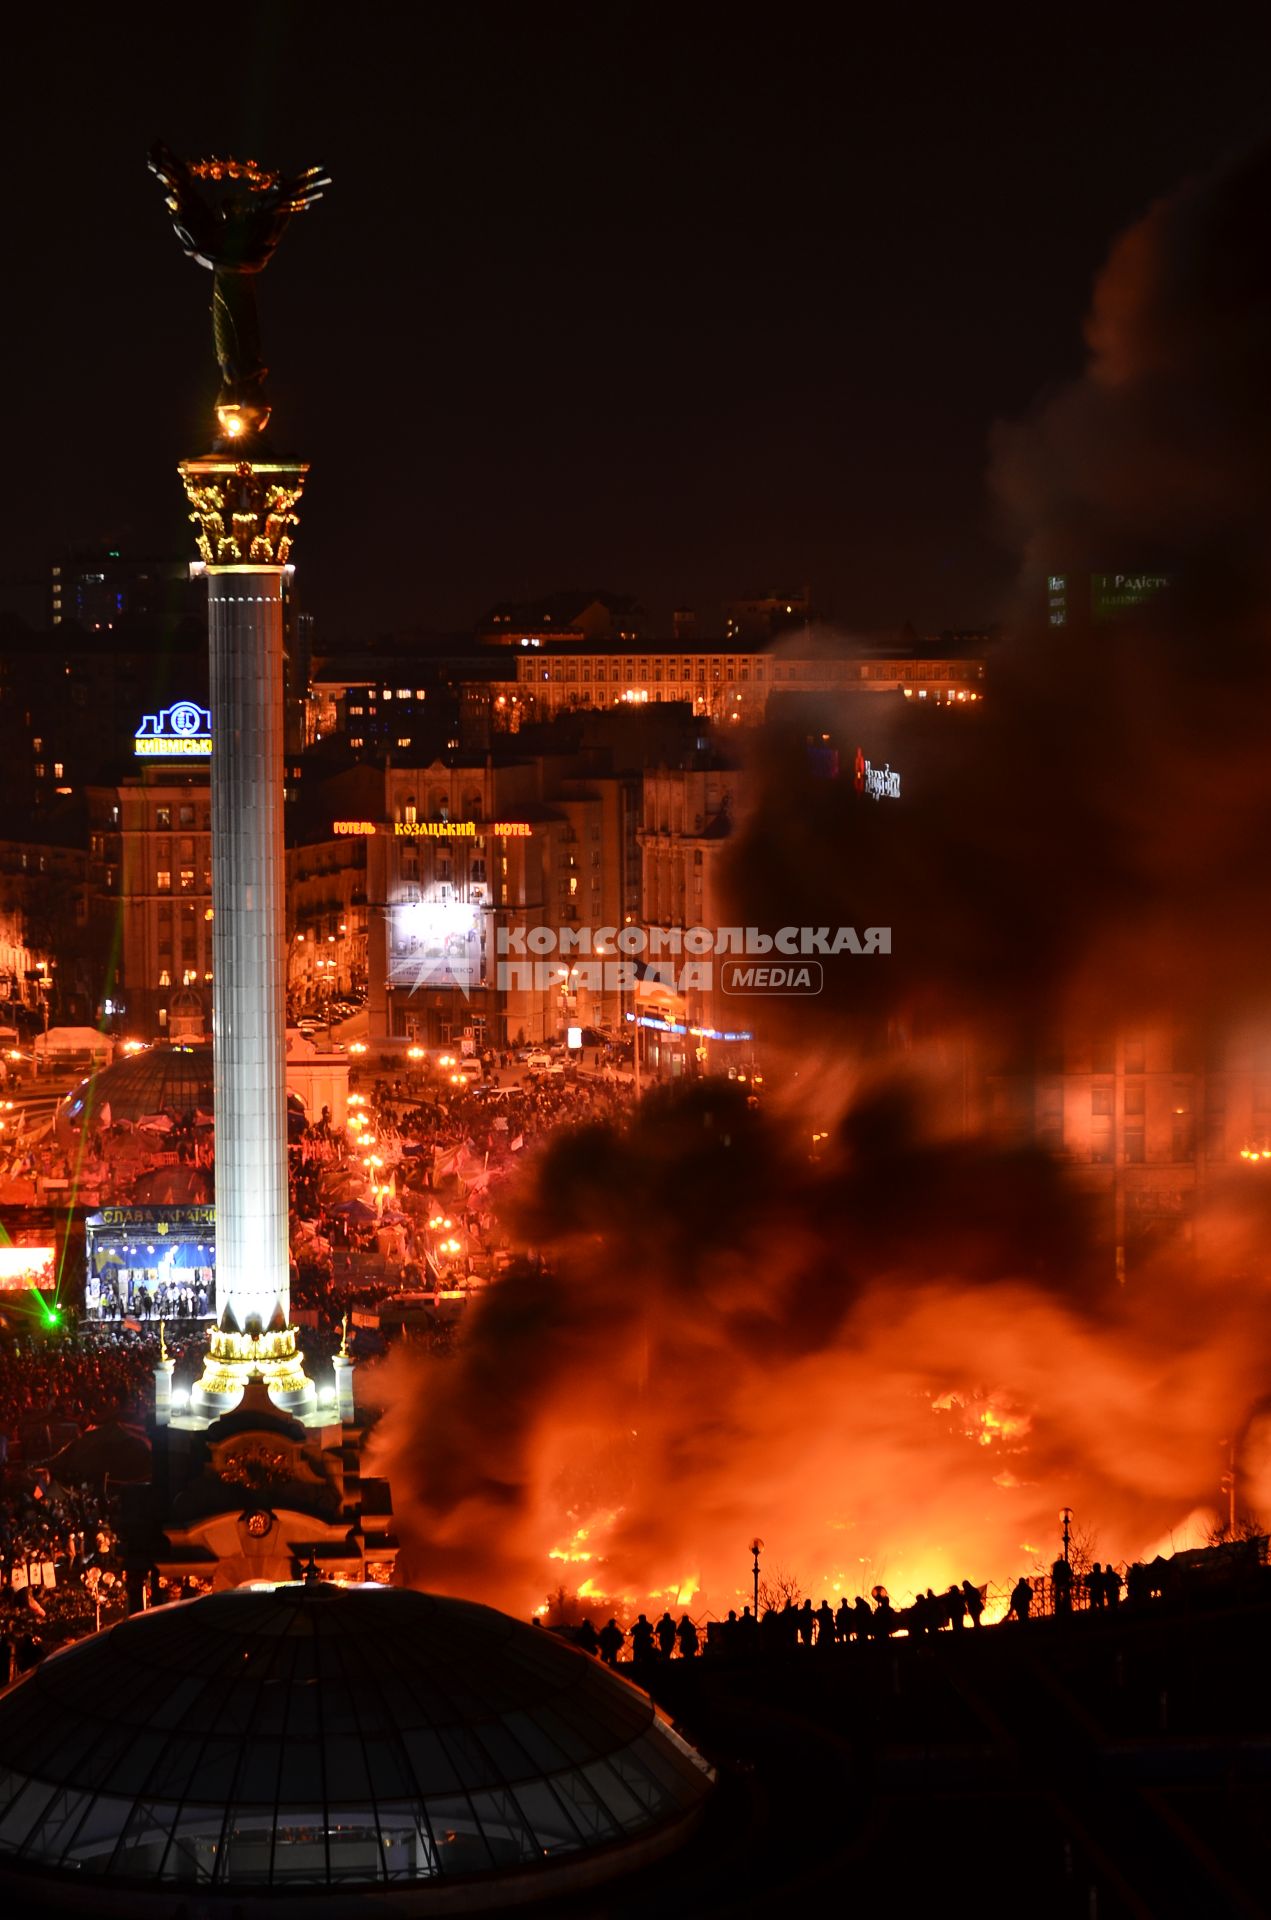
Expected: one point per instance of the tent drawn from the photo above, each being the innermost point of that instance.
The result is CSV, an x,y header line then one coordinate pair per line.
x,y
73,1040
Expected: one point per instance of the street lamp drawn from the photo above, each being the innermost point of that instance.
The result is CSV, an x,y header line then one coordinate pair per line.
x,y
756,1548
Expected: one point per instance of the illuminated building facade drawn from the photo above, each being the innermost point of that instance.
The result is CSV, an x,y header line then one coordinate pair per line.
x,y
464,851
722,681
688,814
150,881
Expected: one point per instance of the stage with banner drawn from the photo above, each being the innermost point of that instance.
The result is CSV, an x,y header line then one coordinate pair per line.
x,y
150,1263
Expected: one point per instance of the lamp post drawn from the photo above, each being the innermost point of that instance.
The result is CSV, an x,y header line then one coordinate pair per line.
x,y
326,969
756,1548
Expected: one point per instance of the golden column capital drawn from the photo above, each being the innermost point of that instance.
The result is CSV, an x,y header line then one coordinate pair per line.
x,y
244,510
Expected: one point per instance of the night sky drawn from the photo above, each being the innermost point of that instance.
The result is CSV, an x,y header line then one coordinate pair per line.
x,y
685,302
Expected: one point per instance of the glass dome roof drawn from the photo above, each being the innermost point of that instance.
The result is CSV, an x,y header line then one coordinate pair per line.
x,y
178,1079
325,1736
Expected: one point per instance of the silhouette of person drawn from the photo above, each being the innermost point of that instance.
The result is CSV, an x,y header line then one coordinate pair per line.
x,y
1095,1596
1061,1585
612,1640
862,1618
843,1620
955,1607
824,1625
666,1636
642,1640
1111,1587
1021,1598
884,1620
807,1623
686,1634
974,1602
586,1637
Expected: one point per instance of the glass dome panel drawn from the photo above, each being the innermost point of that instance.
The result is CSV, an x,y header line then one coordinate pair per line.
x,y
325,1736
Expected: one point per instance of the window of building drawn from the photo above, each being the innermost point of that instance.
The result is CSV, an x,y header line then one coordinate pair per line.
x,y
1050,1116
185,817
1100,1099
187,880
1134,1150
1135,1096
163,881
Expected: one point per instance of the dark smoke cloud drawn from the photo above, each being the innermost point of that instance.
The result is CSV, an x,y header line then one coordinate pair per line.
x,y
910,1353
1091,840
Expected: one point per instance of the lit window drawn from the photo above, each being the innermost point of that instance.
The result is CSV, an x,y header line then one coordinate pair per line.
x,y
187,880
403,693
387,694
163,880
405,742
163,817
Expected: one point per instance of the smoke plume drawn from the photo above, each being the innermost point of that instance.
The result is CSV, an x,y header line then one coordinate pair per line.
x,y
897,1351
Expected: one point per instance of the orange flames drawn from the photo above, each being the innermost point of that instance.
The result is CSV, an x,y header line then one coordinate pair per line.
x,y
624,1425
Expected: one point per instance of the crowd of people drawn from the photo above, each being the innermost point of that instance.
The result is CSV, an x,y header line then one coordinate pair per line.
x,y
60,1573
793,1627
442,1149
79,1378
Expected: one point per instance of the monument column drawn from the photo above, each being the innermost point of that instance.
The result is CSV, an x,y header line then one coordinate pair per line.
x,y
229,215
244,510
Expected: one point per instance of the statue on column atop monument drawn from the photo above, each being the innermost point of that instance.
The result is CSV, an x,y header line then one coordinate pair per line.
x,y
229,215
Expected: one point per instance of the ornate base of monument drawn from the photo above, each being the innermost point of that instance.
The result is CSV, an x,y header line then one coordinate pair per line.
x,y
235,1358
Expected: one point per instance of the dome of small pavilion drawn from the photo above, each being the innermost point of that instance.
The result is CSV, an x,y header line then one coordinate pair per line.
x,y
157,1079
333,1738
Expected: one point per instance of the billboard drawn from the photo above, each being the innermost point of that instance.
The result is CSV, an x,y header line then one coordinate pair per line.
x,y
435,943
